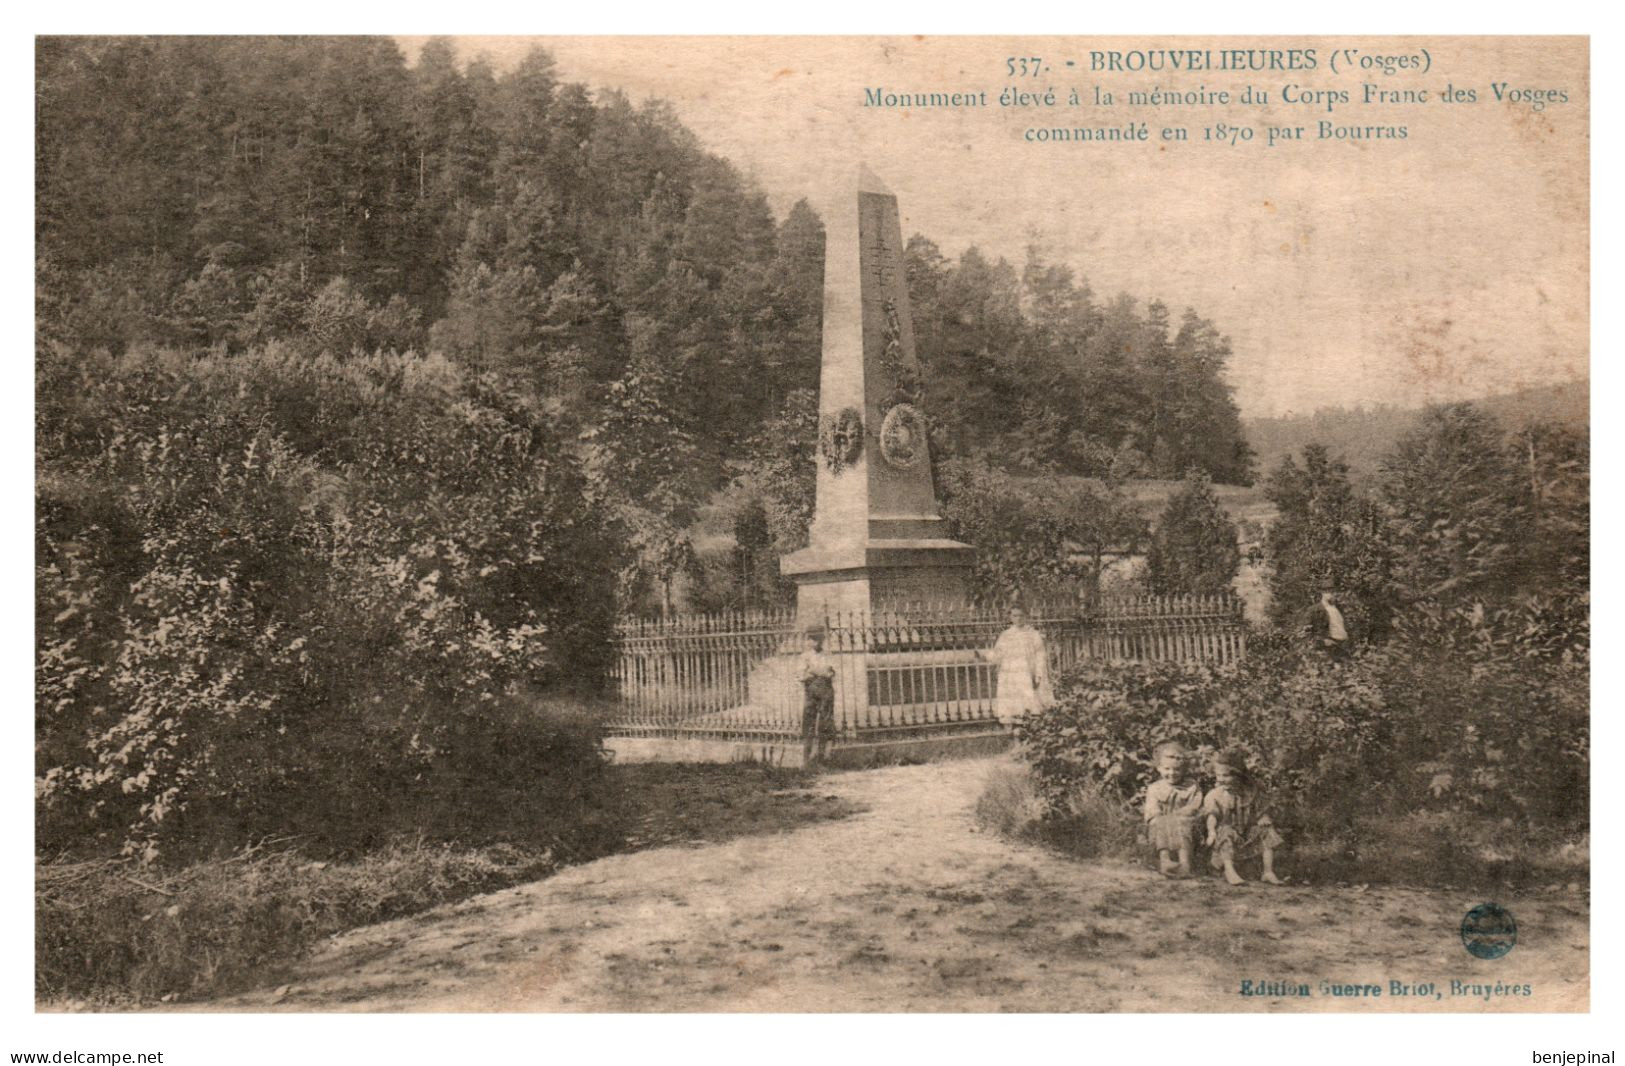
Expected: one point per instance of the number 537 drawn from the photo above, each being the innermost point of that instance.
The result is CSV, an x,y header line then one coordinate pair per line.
x,y
1024,66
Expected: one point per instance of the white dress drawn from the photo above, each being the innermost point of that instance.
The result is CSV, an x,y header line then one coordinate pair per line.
x,y
1023,679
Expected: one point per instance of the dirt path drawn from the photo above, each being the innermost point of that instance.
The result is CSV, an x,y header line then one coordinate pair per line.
x,y
906,907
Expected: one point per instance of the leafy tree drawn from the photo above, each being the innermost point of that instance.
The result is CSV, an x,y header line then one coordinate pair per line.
x,y
453,149
1038,535
397,326
1030,373
109,307
1209,431
522,113
336,320
782,471
1326,532
1116,395
642,461
1555,464
1458,507
1060,316
967,320
279,300
1193,547
208,309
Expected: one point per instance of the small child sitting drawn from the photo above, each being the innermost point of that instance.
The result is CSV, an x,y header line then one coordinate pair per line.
x,y
1236,823
817,676
1171,806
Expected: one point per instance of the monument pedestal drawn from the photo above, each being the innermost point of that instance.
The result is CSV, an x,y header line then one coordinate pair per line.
x,y
878,576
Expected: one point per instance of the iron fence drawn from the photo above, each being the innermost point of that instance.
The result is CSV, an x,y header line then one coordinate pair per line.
x,y
899,670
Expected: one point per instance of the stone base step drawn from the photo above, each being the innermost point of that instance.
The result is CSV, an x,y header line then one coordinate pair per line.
x,y
921,747
900,746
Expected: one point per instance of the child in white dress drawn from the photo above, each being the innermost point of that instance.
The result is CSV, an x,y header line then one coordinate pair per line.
x,y
1023,670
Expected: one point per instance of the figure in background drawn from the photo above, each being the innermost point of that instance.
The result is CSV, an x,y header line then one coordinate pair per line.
x,y
817,675
1237,824
1326,625
1023,670
1171,806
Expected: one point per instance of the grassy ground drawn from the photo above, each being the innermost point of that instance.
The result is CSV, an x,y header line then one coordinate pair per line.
x,y
698,803
113,935
907,905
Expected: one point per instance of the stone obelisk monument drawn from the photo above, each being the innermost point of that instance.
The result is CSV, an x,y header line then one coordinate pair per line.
x,y
877,540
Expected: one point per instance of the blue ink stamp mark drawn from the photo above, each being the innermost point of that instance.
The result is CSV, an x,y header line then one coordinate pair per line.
x,y
1488,931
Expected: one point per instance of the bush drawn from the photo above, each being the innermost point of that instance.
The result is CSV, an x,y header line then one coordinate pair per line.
x,y
1092,825
1494,708
522,769
1307,726
1009,804
1466,714
288,590
520,788
1083,822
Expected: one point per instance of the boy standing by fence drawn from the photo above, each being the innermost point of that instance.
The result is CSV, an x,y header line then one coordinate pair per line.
x,y
818,698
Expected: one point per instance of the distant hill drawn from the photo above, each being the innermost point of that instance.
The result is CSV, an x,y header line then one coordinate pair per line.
x,y
1364,435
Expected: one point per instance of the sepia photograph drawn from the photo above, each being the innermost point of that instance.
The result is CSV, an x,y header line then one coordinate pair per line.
x,y
844,525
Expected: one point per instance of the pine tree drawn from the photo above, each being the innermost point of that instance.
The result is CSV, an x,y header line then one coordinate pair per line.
x,y
1193,547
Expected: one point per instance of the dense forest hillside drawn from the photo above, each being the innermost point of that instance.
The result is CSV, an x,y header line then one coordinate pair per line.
x,y
199,193
1364,435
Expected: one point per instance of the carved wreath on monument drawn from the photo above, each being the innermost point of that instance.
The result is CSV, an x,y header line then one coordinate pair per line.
x,y
902,436
840,438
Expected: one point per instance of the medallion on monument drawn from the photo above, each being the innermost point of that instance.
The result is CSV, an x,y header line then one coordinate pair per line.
x,y
840,439
902,436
